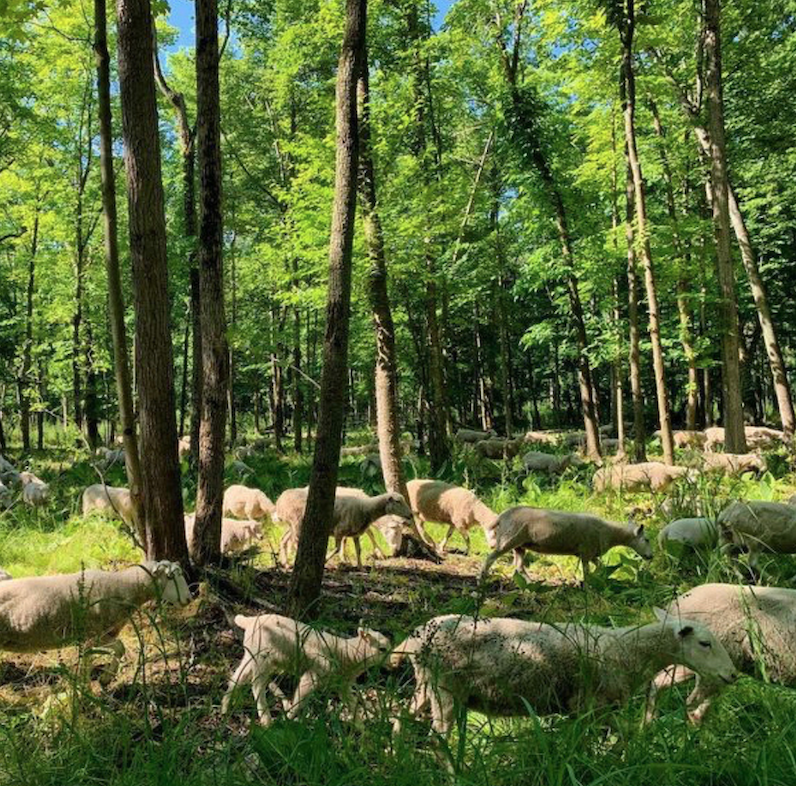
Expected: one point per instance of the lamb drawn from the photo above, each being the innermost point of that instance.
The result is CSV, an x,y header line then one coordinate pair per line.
x,y
51,612
695,533
459,508
273,644
183,448
499,448
35,492
117,500
534,461
756,625
353,514
236,535
652,475
757,437
687,438
735,463
556,532
758,526
551,438
470,436
503,667
247,503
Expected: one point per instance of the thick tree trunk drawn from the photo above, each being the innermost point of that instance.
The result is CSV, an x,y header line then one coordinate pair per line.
x,y
305,581
161,483
735,440
664,415
215,352
386,377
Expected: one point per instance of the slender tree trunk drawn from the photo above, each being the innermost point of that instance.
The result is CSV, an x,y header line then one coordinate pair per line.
x,y
305,581
92,402
386,377
184,384
735,440
664,415
298,396
215,352
27,349
232,408
77,320
161,483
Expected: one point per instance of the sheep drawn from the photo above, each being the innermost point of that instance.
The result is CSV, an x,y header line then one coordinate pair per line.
x,y
686,438
114,499
735,463
273,644
557,532
354,512
551,438
109,456
695,533
792,500
359,450
239,469
575,439
5,495
758,526
5,575
183,448
499,448
236,535
51,612
611,445
6,465
506,667
756,625
459,508
652,475
469,436
247,503
35,492
534,461
245,452
757,437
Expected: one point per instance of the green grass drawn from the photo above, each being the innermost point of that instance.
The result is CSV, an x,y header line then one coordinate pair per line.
x,y
159,722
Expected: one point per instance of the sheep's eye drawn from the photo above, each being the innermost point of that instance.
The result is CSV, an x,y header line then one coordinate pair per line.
x,y
705,644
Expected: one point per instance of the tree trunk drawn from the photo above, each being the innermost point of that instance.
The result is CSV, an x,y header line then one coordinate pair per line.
x,y
386,377
92,402
298,397
27,348
215,352
305,581
232,408
184,384
664,415
162,495
735,440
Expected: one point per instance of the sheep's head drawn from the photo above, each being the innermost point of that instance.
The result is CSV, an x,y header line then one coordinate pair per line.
x,y
392,529
699,649
640,543
172,583
396,506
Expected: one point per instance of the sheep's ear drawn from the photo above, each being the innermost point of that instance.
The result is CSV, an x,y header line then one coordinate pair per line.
x,y
685,630
638,530
661,614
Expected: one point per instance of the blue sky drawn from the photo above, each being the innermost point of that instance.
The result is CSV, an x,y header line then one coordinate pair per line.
x,y
181,17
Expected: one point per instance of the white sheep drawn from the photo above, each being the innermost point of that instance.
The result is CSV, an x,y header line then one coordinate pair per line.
x,y
115,499
353,514
51,612
499,448
6,465
694,533
444,503
757,437
468,436
5,495
236,535
275,645
758,526
735,463
648,475
109,456
535,461
247,503
183,448
508,667
756,625
558,532
35,492
551,438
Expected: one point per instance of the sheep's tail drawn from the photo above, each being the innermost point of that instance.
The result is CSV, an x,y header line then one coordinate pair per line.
x,y
244,622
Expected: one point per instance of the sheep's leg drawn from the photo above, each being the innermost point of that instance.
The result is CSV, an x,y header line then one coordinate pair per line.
x,y
338,550
283,548
112,667
667,678
307,684
358,550
585,564
519,564
260,685
421,528
240,676
377,552
444,544
700,699
466,536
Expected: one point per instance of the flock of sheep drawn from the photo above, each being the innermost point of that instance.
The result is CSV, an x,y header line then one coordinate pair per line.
x,y
498,666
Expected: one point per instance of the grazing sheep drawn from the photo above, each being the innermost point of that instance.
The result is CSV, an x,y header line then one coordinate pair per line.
x,y
611,445
756,625
551,438
792,500
686,438
757,437
575,439
35,492
183,448
695,533
459,508
758,526
505,667
236,535
109,456
245,452
499,448
354,512
470,436
6,465
359,450
108,498
247,503
50,612
649,475
273,645
735,463
534,461
557,532
714,437
5,495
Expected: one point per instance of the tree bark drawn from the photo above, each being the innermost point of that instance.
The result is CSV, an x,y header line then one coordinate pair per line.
x,y
305,581
27,348
664,416
735,439
215,352
162,495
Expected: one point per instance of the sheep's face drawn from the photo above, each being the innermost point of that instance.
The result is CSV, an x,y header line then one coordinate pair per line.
x,y
701,651
396,506
174,587
392,529
374,642
640,542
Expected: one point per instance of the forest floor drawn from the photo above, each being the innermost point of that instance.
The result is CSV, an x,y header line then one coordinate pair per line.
x,y
159,721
